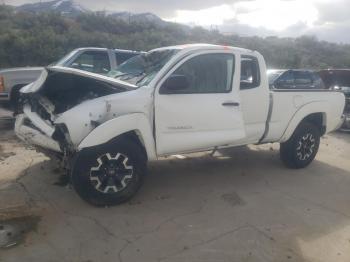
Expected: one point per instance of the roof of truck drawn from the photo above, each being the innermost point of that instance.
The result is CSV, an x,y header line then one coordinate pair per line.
x,y
202,46
105,49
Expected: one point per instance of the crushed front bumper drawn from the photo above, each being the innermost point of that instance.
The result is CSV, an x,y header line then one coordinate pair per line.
x,y
30,128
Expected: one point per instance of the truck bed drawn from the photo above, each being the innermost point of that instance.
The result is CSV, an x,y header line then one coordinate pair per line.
x,y
287,105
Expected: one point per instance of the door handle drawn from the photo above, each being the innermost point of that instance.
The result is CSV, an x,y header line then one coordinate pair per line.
x,y
230,104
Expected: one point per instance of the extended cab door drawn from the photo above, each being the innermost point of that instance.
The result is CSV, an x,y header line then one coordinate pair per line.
x,y
205,114
254,93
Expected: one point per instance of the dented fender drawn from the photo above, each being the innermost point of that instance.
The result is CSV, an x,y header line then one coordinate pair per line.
x,y
115,127
80,120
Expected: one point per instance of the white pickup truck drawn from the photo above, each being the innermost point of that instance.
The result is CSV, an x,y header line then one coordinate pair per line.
x,y
171,100
91,59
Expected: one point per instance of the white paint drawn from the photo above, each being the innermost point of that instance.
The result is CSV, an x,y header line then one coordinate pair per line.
x,y
204,123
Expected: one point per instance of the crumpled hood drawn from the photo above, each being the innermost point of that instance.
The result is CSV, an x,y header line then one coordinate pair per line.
x,y
38,84
64,88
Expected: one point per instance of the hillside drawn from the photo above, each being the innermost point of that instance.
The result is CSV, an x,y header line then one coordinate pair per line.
x,y
64,7
41,37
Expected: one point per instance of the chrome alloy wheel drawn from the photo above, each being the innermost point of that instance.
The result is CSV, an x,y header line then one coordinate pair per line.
x,y
306,146
112,174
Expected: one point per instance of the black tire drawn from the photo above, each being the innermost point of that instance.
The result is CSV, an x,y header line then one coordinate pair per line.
x,y
102,177
300,150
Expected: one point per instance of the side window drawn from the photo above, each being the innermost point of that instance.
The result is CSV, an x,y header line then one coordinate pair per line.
x,y
285,81
92,61
303,78
209,73
250,72
317,81
123,56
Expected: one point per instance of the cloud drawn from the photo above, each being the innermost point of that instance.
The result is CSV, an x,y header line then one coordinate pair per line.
x,y
205,17
159,7
333,12
326,19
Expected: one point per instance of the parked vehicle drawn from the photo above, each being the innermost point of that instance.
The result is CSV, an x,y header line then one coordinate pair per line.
x,y
91,59
294,79
168,101
13,79
339,79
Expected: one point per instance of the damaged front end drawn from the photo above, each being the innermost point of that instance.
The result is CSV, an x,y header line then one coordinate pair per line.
x,y
62,107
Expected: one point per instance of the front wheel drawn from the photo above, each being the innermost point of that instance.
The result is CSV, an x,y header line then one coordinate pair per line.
x,y
109,174
300,150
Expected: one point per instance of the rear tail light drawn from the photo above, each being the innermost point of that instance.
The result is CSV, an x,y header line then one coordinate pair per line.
x,y
2,84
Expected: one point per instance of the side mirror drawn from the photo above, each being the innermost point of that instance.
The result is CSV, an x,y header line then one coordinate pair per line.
x,y
174,84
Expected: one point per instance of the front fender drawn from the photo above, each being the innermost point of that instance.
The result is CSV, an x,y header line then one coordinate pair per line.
x,y
304,111
115,127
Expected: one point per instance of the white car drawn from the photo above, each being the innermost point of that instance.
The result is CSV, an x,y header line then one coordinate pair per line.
x,y
171,100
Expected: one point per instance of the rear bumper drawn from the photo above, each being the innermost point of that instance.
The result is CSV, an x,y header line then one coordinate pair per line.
x,y
29,133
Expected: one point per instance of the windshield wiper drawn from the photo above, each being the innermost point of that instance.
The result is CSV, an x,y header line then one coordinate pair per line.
x,y
143,77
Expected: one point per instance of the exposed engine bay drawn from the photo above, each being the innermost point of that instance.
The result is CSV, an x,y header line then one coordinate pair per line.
x,y
47,107
62,91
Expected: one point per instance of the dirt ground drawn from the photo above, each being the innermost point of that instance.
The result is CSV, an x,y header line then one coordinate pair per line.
x,y
241,204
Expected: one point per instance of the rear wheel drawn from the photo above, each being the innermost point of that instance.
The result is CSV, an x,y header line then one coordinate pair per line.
x,y
300,150
109,174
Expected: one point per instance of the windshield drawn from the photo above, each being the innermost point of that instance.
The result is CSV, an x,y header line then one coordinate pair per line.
x,y
141,69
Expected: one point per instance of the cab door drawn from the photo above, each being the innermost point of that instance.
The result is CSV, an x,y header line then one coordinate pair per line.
x,y
202,109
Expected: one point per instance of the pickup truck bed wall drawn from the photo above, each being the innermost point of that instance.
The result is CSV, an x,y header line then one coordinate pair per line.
x,y
291,107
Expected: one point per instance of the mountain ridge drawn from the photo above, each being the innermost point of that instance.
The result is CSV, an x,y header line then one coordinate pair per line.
x,y
72,8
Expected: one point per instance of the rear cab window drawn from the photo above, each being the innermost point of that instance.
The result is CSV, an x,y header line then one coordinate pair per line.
x,y
250,72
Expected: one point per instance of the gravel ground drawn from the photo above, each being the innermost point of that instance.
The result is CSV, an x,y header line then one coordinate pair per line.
x,y
241,204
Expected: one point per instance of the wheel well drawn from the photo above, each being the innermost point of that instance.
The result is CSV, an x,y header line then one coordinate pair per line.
x,y
135,137
317,119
